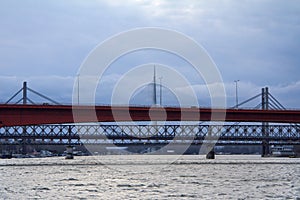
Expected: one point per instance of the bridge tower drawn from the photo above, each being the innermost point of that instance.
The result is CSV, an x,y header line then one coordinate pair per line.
x,y
268,101
25,100
24,131
265,125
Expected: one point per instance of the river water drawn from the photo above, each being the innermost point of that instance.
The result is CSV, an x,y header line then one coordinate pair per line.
x,y
150,177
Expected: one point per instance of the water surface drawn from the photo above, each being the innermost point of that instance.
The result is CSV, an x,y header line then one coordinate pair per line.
x,y
150,177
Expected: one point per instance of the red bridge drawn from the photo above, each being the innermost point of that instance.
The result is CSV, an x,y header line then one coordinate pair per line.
x,y
18,115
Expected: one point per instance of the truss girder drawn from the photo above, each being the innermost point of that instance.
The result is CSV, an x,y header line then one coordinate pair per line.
x,y
134,134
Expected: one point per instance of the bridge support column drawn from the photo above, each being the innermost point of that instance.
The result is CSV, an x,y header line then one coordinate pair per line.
x,y
211,154
265,149
69,147
265,125
24,141
69,152
209,147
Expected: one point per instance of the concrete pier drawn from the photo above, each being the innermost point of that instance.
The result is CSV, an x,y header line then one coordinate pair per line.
x,y
69,152
211,154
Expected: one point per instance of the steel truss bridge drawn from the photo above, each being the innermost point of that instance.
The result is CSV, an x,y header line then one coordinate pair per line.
x,y
127,134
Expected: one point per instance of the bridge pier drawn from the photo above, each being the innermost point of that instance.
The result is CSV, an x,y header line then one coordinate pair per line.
x,y
265,149
69,149
211,154
265,125
69,152
208,149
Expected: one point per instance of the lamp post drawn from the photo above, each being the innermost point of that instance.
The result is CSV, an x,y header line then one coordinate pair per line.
x,y
154,87
160,91
236,93
78,88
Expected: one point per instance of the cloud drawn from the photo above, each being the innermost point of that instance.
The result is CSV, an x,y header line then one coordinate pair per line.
x,y
254,41
61,88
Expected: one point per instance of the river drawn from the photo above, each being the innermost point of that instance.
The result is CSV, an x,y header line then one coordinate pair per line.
x,y
150,177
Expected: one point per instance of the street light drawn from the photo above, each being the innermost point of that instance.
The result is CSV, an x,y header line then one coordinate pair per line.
x,y
78,88
236,93
160,91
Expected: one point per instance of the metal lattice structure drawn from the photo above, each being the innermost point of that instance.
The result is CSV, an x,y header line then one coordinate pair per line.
x,y
264,134
148,134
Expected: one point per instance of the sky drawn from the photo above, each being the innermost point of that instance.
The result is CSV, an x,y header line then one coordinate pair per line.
x,y
254,41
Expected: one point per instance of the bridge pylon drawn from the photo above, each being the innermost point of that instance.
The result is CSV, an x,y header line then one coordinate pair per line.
x,y
268,102
25,99
265,125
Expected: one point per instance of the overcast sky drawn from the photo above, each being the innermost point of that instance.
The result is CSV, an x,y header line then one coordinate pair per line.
x,y
254,41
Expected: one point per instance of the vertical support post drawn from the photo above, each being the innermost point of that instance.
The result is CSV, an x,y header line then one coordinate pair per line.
x,y
24,145
160,92
209,147
24,131
24,92
154,87
69,151
236,94
263,107
265,125
78,84
211,154
69,148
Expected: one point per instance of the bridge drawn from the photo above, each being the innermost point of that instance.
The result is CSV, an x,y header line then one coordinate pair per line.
x,y
52,124
127,134
20,115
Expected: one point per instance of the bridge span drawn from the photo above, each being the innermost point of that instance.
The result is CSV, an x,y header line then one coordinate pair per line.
x,y
20,115
128,134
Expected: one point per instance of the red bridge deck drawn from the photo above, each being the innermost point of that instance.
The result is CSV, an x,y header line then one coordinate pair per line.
x,y
17,115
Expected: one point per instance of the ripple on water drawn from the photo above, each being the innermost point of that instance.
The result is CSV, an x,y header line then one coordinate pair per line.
x,y
181,181
70,179
157,185
77,185
41,188
130,185
182,196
